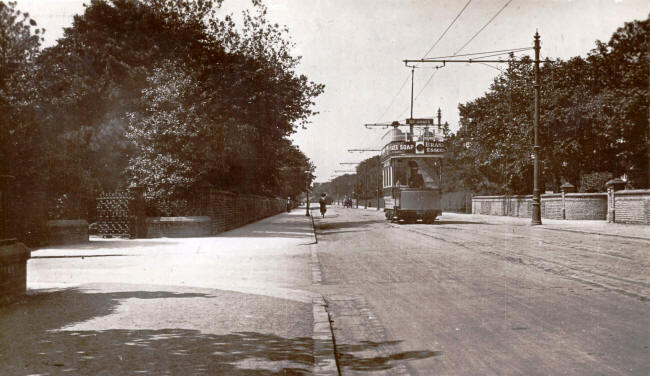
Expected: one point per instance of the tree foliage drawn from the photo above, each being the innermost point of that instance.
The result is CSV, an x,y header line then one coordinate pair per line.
x,y
161,93
593,118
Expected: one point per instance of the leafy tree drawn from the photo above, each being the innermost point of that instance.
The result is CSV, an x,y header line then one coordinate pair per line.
x,y
593,119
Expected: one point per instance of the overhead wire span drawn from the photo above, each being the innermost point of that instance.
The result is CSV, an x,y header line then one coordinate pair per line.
x,y
491,66
496,52
484,26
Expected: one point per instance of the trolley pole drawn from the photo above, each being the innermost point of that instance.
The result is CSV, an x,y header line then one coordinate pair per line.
x,y
412,74
536,212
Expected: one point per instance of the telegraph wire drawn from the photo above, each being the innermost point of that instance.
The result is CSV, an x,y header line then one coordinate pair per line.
x,y
484,26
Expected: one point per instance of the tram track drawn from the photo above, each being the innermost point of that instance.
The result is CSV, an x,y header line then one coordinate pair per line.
x,y
628,287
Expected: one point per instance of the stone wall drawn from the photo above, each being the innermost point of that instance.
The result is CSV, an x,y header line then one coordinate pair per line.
x,y
631,206
13,270
67,231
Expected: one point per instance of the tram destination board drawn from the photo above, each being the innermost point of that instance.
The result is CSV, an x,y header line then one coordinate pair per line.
x,y
420,121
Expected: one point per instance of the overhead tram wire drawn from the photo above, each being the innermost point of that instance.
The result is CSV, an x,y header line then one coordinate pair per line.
x,y
472,38
394,97
430,49
484,26
448,27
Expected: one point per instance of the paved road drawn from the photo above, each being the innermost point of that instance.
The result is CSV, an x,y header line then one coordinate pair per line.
x,y
471,296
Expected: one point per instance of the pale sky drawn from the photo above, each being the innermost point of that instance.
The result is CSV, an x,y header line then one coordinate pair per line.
x,y
356,48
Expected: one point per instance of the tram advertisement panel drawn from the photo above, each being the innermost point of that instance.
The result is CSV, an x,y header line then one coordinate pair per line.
x,y
413,147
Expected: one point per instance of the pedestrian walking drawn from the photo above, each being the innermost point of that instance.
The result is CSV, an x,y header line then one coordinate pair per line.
x,y
323,204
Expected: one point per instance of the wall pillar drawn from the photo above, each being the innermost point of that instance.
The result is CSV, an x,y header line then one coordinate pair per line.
x,y
613,186
566,188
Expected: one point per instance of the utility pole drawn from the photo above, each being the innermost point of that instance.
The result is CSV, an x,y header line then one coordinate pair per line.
x,y
307,193
536,213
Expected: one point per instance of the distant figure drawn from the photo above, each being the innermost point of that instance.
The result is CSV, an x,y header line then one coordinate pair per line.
x,y
323,204
288,204
416,180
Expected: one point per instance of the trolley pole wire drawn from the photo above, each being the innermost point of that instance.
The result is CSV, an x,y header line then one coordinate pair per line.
x,y
536,217
484,26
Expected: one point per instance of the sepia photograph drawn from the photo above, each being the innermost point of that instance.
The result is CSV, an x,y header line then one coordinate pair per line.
x,y
324,187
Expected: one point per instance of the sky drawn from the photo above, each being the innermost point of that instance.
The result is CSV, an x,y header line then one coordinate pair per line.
x,y
356,48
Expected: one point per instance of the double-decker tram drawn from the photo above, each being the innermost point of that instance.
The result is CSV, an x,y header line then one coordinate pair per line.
x,y
412,173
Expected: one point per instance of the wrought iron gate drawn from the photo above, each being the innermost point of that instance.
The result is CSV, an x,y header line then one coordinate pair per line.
x,y
115,214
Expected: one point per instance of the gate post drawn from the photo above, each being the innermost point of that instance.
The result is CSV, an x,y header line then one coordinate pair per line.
x,y
5,224
139,212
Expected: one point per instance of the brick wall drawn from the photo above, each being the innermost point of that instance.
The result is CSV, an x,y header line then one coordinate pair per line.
x,y
632,206
586,206
13,270
578,206
174,227
228,210
513,206
67,231
552,206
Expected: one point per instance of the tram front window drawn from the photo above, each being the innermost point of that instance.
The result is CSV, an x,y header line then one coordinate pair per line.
x,y
417,173
415,178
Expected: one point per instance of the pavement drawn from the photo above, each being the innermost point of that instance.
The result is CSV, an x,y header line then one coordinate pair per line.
x,y
239,303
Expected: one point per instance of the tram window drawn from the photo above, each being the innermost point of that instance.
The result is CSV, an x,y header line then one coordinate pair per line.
x,y
399,173
430,170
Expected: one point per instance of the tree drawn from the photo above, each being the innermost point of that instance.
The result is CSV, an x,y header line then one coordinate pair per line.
x,y
593,119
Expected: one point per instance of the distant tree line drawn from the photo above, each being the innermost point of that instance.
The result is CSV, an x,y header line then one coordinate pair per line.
x,y
159,93
361,185
594,119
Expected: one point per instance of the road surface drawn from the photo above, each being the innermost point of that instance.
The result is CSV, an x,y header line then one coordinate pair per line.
x,y
470,297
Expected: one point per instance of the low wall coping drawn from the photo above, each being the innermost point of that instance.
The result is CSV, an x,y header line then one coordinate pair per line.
x,y
552,195
501,197
585,194
190,219
643,192
66,223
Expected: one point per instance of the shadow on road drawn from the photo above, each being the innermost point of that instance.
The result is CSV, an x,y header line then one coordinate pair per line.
x,y
324,225
384,362
36,338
